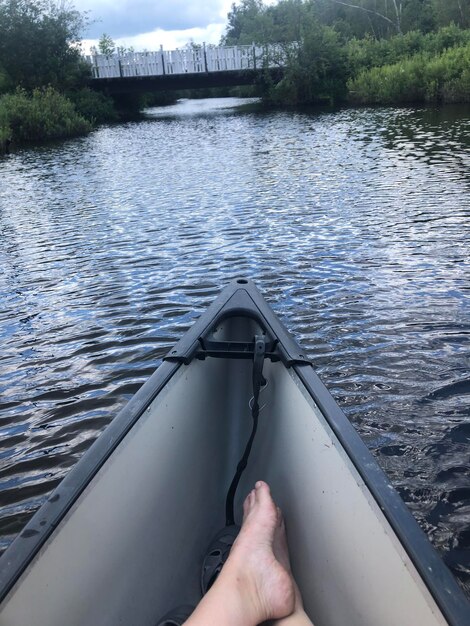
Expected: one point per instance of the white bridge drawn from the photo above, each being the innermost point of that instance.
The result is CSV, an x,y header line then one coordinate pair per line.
x,y
191,60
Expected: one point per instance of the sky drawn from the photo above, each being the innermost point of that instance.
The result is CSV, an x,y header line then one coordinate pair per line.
x,y
147,24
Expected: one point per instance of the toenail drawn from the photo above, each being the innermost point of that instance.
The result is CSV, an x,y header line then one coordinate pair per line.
x,y
258,484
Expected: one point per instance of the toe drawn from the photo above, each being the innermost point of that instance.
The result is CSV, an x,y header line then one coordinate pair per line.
x,y
251,500
262,491
263,496
246,506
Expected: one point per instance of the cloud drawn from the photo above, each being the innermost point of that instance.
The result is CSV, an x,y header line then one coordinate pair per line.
x,y
170,40
128,18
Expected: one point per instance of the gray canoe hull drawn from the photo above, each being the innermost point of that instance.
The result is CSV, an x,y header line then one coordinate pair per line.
x,y
130,545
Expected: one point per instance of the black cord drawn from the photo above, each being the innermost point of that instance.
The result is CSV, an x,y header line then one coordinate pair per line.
x,y
258,381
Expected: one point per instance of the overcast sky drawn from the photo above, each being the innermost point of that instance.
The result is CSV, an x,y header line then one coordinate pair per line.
x,y
147,24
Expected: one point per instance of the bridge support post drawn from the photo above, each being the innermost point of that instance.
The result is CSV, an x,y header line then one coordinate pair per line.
x,y
96,71
162,55
254,55
205,57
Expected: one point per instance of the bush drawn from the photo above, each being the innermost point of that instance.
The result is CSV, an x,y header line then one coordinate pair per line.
x,y
367,53
316,71
4,81
38,43
5,134
95,107
443,78
45,114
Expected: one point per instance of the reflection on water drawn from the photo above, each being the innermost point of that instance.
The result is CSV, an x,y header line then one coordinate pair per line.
x,y
354,224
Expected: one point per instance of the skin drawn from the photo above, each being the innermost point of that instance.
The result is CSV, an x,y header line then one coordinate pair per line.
x,y
256,583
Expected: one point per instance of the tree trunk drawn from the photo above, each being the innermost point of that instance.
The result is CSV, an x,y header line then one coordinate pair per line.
x,y
462,16
398,6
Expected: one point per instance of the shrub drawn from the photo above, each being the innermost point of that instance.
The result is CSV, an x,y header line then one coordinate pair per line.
x,y
45,114
368,52
5,134
316,71
4,81
421,78
95,107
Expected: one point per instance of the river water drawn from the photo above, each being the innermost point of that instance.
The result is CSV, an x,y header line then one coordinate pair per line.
x,y
354,224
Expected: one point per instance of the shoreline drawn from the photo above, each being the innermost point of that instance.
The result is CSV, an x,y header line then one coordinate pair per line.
x,y
9,146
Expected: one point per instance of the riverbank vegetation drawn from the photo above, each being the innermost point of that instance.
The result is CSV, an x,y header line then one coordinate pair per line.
x,y
361,51
443,77
43,76
354,51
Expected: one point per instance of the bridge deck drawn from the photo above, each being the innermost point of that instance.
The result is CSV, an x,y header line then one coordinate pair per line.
x,y
168,82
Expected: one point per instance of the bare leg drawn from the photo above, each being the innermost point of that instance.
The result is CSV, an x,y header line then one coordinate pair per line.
x,y
255,584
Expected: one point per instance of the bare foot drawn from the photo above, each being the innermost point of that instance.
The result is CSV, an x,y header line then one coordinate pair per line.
x,y
264,576
281,552
280,549
255,584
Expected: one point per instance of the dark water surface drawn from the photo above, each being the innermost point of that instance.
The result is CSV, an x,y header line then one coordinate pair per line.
x,y
355,225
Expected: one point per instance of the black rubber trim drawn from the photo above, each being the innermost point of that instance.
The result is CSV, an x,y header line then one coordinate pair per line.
x,y
24,548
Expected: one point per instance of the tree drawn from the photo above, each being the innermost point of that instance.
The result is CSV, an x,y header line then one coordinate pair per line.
x,y
4,81
39,43
383,18
247,23
287,19
317,69
106,45
419,15
371,9
448,11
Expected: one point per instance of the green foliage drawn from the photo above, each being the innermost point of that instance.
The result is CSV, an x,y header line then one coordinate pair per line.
x,y
4,81
5,130
418,15
162,98
368,52
39,43
46,114
316,71
94,106
129,105
39,57
452,12
246,23
384,18
336,42
378,18
251,21
106,45
444,78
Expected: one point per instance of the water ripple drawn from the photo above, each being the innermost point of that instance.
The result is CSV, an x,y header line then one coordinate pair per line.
x,y
355,224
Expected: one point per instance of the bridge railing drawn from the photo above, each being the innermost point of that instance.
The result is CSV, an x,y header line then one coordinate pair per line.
x,y
187,61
